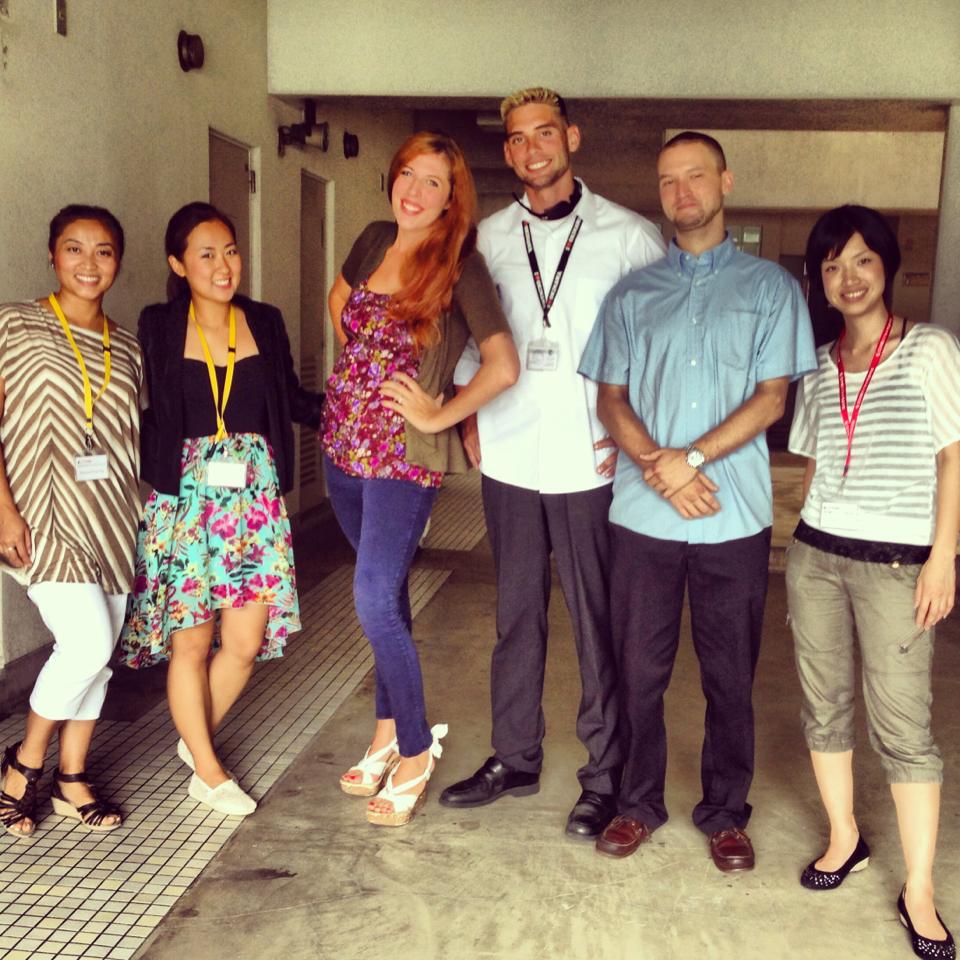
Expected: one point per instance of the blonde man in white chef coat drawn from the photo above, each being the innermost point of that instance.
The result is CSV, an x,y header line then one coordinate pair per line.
x,y
547,462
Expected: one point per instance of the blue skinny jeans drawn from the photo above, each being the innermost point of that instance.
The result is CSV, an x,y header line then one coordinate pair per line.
x,y
384,520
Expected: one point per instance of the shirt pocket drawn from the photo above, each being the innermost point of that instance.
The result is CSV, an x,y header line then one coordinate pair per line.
x,y
733,334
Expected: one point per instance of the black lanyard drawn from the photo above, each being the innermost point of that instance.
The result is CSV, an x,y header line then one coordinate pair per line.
x,y
546,302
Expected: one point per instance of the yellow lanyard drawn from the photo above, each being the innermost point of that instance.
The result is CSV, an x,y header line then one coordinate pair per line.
x,y
88,398
219,408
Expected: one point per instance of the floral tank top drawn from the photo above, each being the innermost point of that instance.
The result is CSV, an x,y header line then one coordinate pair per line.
x,y
360,435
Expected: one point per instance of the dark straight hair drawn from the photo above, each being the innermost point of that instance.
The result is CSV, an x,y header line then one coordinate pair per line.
x,y
181,225
85,211
831,234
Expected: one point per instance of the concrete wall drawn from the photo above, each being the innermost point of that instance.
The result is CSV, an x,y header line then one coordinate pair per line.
x,y
105,115
819,169
688,48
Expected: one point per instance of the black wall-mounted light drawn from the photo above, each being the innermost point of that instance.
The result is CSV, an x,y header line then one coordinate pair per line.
x,y
351,145
189,51
295,134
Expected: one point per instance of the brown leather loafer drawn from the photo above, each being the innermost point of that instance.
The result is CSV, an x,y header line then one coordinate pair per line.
x,y
622,836
731,850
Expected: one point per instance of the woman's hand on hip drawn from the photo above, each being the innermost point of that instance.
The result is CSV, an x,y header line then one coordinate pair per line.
x,y
936,589
16,544
404,395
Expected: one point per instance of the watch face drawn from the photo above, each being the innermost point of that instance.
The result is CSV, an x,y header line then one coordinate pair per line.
x,y
695,458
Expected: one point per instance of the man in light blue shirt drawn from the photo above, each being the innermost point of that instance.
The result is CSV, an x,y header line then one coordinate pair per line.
x,y
693,356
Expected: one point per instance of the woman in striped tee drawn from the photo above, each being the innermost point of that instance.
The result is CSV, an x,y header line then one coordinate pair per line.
x,y
69,503
874,553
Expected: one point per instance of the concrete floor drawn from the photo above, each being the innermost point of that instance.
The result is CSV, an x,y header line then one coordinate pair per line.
x,y
307,877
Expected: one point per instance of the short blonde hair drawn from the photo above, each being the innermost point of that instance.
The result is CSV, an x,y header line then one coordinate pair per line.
x,y
532,95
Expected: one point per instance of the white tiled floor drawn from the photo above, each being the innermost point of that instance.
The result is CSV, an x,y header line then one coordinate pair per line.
x,y
71,893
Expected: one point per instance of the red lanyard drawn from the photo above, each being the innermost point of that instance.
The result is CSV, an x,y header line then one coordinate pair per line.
x,y
850,420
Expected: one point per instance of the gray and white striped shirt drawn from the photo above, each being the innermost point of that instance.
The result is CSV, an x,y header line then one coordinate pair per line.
x,y
911,411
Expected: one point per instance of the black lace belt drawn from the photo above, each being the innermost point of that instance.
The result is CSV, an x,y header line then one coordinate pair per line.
x,y
870,551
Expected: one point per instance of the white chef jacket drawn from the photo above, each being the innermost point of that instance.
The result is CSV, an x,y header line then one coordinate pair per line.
x,y
539,433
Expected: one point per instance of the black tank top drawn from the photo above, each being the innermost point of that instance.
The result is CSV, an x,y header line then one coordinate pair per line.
x,y
246,409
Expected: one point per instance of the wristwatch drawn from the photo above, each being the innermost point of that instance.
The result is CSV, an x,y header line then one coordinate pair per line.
x,y
695,457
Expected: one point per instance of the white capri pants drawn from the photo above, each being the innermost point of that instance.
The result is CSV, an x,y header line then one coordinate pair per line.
x,y
85,623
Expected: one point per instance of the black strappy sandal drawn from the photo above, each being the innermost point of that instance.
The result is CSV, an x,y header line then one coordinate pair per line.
x,y
91,814
14,810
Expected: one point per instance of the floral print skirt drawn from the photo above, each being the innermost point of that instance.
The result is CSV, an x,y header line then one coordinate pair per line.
x,y
212,548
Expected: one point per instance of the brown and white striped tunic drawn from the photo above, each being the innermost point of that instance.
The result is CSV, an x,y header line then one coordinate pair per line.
x,y
83,532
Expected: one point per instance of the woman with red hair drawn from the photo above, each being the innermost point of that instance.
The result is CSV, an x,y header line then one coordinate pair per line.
x,y
410,294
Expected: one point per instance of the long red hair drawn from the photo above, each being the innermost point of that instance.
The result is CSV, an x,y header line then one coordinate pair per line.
x,y
431,270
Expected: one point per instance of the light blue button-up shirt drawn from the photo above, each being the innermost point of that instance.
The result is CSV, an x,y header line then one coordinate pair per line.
x,y
690,337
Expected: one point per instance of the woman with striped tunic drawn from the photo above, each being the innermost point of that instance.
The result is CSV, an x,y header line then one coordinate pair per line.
x,y
874,555
69,505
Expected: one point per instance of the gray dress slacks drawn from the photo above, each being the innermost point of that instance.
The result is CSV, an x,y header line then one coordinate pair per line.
x,y
525,527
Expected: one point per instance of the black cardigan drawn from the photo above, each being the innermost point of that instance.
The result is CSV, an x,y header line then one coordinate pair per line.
x,y
162,331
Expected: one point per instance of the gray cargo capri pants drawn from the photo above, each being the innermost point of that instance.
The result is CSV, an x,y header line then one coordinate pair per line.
x,y
833,599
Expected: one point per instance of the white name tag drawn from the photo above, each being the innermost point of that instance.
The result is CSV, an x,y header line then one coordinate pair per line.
x,y
91,466
543,355
227,473
839,516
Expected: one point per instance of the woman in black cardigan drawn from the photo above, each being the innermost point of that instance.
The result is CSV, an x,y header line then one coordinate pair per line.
x,y
217,448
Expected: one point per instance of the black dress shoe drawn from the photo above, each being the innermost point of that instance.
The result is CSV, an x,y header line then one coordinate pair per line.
x,y
491,781
591,814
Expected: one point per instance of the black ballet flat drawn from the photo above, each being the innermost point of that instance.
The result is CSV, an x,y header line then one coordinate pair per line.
x,y
814,879
923,946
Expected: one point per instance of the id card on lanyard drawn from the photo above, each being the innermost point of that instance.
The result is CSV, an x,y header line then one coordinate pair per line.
x,y
222,471
90,463
543,354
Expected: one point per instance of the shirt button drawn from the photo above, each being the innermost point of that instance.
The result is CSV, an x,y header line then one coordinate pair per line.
x,y
693,320
693,363
694,404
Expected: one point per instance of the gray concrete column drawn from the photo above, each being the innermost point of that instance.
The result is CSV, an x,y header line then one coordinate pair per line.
x,y
945,298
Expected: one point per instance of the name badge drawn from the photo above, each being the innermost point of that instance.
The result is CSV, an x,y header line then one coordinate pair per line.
x,y
227,473
91,466
543,355
839,516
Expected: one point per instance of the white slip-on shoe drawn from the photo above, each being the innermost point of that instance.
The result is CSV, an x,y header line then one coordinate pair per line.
x,y
227,798
183,752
